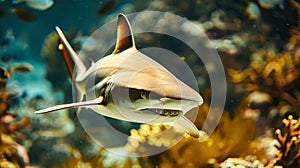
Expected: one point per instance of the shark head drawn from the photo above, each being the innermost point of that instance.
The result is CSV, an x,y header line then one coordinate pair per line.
x,y
128,85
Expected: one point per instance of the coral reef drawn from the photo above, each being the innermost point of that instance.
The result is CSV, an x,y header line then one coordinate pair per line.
x,y
271,73
232,138
100,160
77,160
12,154
288,147
241,163
155,137
271,81
261,93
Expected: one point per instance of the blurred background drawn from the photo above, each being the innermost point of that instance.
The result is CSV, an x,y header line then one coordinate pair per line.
x,y
257,41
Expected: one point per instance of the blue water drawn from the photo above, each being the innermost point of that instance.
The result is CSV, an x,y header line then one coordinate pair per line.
x,y
29,36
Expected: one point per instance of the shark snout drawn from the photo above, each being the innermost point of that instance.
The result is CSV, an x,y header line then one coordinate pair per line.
x,y
180,90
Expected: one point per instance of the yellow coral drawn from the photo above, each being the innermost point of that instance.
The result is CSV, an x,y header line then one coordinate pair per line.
x,y
277,75
150,136
232,138
288,149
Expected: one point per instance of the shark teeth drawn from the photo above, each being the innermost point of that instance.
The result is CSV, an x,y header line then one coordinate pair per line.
x,y
166,112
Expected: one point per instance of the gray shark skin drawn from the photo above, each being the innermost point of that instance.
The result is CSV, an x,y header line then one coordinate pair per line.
x,y
128,85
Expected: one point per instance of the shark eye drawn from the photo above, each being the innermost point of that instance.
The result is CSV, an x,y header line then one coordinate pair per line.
x,y
149,95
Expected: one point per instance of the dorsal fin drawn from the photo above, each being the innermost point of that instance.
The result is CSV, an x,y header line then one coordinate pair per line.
x,y
125,38
70,56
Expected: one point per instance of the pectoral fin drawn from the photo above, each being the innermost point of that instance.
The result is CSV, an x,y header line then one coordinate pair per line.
x,y
185,125
71,105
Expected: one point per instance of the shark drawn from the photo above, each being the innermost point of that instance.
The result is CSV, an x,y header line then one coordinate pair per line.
x,y
128,85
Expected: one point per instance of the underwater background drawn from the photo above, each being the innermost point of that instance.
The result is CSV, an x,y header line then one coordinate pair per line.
x,y
258,42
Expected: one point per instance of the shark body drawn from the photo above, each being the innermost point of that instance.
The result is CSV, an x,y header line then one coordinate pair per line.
x,y
128,85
